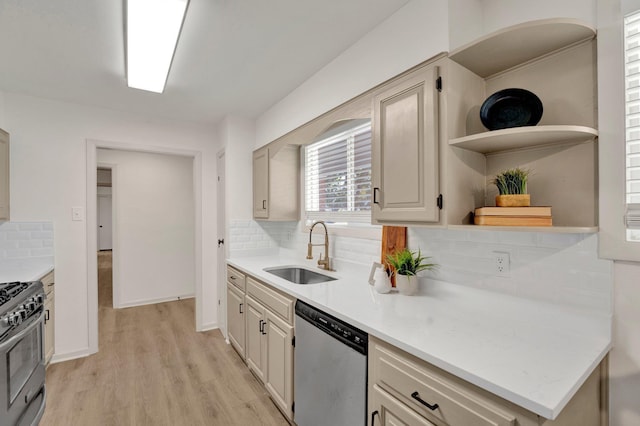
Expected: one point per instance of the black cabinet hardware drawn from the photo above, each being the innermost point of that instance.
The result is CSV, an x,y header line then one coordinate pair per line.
x,y
416,396
373,417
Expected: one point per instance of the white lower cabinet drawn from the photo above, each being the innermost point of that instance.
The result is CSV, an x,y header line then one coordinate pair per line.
x,y
235,318
404,390
48,281
267,337
256,343
279,363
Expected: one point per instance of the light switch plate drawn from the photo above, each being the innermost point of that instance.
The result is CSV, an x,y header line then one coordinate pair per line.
x,y
77,213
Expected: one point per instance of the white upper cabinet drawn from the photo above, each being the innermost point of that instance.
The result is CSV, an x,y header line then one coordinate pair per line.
x,y
4,175
276,183
405,170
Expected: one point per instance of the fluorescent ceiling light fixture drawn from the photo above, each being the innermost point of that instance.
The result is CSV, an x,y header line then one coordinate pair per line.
x,y
153,27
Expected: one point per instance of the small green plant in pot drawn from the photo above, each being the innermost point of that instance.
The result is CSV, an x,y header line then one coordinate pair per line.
x,y
512,186
406,265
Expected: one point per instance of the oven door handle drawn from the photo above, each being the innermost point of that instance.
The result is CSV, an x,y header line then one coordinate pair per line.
x,y
17,337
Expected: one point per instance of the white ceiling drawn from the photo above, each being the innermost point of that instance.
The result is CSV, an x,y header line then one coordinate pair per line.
x,y
234,56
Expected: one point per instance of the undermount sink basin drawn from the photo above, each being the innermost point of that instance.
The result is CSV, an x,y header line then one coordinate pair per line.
x,y
299,275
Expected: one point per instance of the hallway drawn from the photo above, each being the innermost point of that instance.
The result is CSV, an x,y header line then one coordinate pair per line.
x,y
154,369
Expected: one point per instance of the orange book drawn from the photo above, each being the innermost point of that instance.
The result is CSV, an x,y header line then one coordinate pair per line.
x,y
512,220
514,211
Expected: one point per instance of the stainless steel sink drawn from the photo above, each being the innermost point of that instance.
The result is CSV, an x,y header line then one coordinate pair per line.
x,y
299,275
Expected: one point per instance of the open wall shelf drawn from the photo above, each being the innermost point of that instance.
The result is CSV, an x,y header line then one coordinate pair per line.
x,y
520,43
523,137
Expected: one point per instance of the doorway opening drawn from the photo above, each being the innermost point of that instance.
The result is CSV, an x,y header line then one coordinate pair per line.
x,y
104,188
155,252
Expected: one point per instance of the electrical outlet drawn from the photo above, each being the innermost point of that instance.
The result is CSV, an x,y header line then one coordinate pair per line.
x,y
501,263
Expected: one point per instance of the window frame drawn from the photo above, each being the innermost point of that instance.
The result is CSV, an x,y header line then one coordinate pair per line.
x,y
612,236
340,220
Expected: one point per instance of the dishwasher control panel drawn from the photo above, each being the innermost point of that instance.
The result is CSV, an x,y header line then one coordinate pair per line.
x,y
348,334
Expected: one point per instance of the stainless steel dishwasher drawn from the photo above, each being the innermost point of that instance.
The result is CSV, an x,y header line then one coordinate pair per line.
x,y
330,381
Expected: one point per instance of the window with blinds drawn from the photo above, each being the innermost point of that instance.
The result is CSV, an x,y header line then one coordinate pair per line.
x,y
338,177
632,123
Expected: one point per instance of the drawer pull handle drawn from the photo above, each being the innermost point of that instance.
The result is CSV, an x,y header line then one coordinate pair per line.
x,y
261,327
416,396
264,204
233,277
373,417
375,192
46,316
240,308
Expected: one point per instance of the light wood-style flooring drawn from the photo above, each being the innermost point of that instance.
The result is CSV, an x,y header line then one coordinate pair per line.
x,y
154,369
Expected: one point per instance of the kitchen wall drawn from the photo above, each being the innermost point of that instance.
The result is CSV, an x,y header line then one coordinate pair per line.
x,y
153,214
49,176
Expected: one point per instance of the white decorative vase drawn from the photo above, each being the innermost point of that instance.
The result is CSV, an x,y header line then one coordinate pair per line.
x,y
407,284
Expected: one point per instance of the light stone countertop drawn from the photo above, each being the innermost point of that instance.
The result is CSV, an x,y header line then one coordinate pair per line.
x,y
27,269
534,354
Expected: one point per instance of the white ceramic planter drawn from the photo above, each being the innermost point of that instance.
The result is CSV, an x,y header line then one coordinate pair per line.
x,y
407,284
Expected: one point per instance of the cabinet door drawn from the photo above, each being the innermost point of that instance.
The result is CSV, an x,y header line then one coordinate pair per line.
x,y
405,150
279,374
235,318
261,184
256,342
49,327
4,175
388,411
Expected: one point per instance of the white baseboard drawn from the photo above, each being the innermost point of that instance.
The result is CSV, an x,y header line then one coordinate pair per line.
x,y
143,302
209,326
70,355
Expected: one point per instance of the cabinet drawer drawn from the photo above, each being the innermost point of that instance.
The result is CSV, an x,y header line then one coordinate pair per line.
x,y
276,302
236,278
48,282
388,411
418,384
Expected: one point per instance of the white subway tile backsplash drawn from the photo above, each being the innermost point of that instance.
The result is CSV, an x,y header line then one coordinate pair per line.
x,y
26,239
17,253
39,252
18,235
30,244
30,226
557,268
41,235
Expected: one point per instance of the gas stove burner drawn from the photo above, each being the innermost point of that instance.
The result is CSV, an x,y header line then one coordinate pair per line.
x,y
10,290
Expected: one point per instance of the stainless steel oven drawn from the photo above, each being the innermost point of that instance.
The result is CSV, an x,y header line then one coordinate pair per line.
x,y
22,369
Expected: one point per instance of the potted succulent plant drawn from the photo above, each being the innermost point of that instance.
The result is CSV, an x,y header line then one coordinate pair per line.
x,y
406,265
512,185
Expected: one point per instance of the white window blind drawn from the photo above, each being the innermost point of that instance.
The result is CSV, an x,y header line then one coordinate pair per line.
x,y
338,177
632,124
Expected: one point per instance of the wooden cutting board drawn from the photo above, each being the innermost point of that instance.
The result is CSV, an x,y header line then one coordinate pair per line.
x,y
393,238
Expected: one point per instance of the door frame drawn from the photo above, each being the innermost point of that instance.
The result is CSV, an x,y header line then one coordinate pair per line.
x,y
222,231
92,223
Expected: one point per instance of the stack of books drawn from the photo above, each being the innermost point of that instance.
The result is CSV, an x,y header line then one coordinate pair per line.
x,y
513,216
